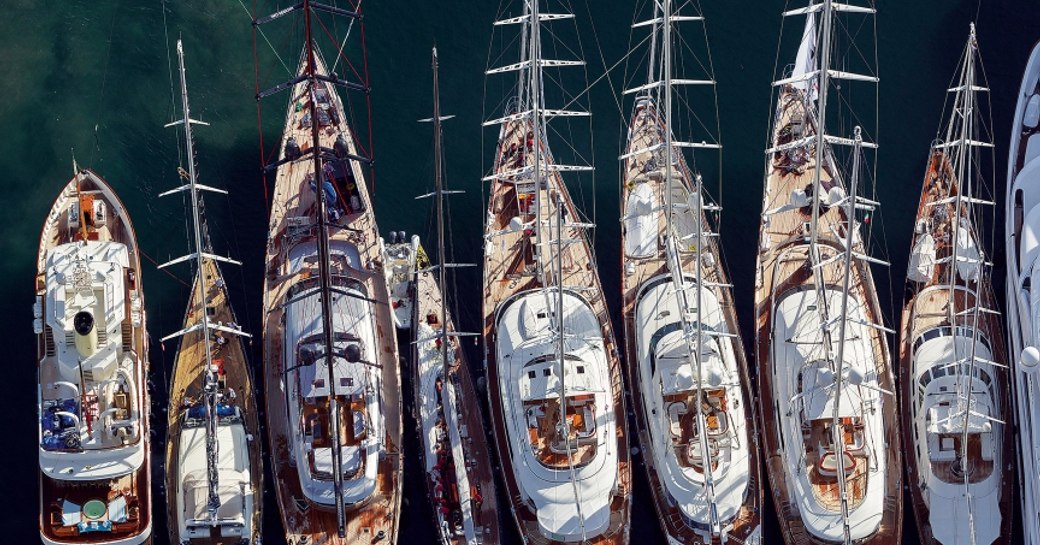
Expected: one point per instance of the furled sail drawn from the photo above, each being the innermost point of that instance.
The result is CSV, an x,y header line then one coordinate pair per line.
x,y
805,62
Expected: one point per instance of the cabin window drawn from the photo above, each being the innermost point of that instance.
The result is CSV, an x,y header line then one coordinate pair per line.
x,y
531,374
939,372
546,372
319,383
581,369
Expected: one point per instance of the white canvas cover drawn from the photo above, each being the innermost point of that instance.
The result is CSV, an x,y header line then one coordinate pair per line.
x,y
196,495
922,259
968,257
641,222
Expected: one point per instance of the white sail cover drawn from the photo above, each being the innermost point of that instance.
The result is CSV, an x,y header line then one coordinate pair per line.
x,y
641,223
805,62
922,259
968,257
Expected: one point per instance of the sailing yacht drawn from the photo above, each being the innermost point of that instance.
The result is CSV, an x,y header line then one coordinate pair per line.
x,y
213,464
554,374
686,362
95,471
830,425
454,454
331,364
951,351
1023,265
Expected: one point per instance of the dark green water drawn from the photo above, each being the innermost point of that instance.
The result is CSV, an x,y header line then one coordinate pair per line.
x,y
93,76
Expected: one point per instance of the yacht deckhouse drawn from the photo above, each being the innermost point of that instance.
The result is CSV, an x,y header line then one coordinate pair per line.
x,y
676,392
93,402
354,383
829,427
958,433
88,297
561,431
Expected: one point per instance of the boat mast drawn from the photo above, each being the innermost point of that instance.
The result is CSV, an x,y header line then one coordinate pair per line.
x,y
836,359
838,436
324,275
821,156
212,481
964,146
537,122
694,340
535,57
439,196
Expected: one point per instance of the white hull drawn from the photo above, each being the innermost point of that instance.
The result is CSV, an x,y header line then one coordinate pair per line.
x,y
1023,303
399,263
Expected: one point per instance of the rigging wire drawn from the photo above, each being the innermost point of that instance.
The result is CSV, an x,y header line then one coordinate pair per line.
x,y
104,81
264,36
259,108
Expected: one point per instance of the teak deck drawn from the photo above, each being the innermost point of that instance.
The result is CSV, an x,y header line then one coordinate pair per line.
x,y
509,268
646,130
136,486
304,522
940,182
477,453
189,384
783,266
